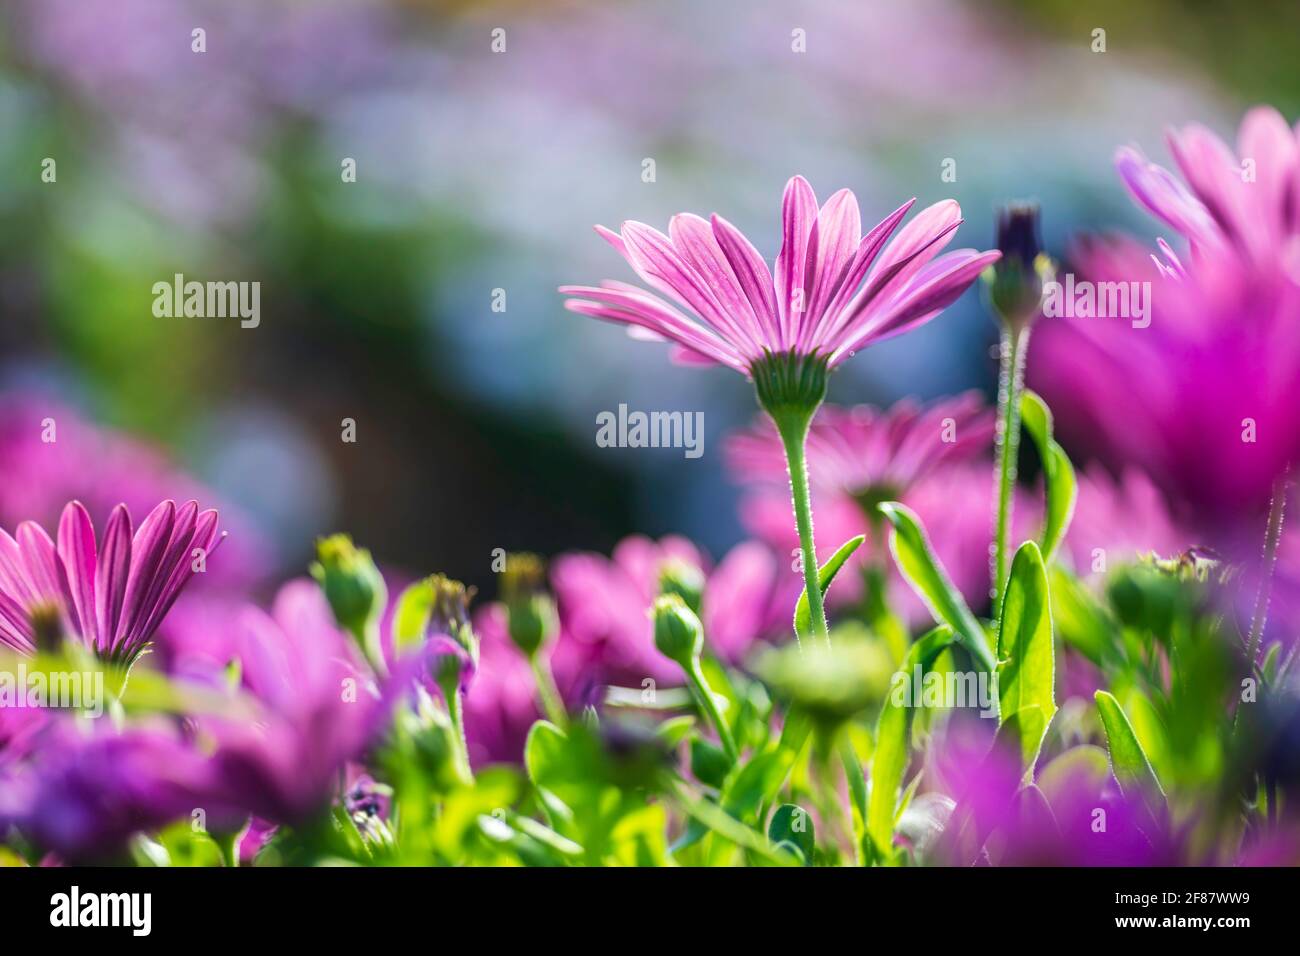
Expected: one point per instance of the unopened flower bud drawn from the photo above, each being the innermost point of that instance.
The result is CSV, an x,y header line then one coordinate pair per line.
x,y
352,584
531,619
678,632
452,647
684,580
1015,281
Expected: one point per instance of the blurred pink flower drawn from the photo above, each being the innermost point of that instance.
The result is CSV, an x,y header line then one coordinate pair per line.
x,y
934,458
111,597
1243,204
501,706
1122,519
603,603
827,298
102,467
1200,393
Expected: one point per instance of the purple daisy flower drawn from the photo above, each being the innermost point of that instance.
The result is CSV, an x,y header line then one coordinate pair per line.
x,y
834,290
112,595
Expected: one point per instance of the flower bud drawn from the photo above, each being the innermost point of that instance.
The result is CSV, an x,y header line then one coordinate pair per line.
x,y
531,619
684,580
452,647
678,632
352,584
1015,282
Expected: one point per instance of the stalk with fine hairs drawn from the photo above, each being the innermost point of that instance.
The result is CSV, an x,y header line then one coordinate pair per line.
x,y
1015,291
1272,537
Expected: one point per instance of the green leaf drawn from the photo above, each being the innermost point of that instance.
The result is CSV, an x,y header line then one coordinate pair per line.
x,y
1128,761
543,751
709,763
856,779
1058,473
825,575
412,615
793,824
674,730
749,786
1022,732
918,564
893,737
1026,668
1080,620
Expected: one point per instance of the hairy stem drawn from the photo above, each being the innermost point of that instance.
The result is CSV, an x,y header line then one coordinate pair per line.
x,y
794,432
456,711
1011,383
1272,536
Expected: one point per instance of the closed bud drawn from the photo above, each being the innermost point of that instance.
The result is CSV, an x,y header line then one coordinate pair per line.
x,y
1015,282
452,647
684,580
531,619
678,632
352,584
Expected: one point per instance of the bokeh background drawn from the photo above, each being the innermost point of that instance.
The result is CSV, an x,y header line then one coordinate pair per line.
x,y
478,171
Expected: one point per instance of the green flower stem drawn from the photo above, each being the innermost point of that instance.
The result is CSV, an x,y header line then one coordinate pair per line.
x,y
794,433
1273,535
368,639
456,711
1011,383
552,704
710,703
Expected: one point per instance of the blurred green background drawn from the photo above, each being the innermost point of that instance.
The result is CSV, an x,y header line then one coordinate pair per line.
x,y
480,170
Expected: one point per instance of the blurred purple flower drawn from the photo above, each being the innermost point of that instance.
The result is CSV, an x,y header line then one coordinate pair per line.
x,y
86,788
1201,392
834,291
316,709
112,598
1075,816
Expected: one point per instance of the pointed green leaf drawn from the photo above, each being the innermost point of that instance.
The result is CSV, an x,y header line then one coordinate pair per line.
x,y
793,825
1058,473
918,564
543,751
893,735
825,575
1128,761
412,615
1026,668
1022,732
